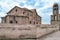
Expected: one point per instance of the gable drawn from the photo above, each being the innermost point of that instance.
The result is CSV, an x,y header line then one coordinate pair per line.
x,y
14,11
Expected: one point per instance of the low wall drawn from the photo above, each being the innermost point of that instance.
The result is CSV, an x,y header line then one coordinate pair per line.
x,y
17,31
23,32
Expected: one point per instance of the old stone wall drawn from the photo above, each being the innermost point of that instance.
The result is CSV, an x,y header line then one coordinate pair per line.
x,y
17,31
22,16
25,32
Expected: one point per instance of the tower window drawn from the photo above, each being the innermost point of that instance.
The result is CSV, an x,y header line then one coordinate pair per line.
x,y
54,8
55,17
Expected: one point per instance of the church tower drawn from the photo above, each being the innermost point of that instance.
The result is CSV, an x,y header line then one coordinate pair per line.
x,y
54,17
55,9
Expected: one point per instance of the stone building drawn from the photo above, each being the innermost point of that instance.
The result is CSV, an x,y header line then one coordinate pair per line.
x,y
19,15
55,18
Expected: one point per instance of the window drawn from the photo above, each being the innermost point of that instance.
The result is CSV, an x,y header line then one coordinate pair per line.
x,y
34,22
55,8
16,21
30,22
11,21
23,12
55,17
16,10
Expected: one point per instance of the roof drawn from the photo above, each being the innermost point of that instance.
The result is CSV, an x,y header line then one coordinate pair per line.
x,y
55,5
19,8
14,8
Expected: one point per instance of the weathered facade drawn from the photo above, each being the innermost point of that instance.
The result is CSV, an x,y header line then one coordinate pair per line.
x,y
19,15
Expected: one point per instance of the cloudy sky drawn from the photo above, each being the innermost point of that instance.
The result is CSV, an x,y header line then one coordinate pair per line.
x,y
43,7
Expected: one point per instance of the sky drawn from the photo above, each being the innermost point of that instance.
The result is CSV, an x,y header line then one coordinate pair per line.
x,y
44,8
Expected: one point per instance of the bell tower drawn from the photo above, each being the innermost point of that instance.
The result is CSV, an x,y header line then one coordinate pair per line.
x,y
55,9
54,17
